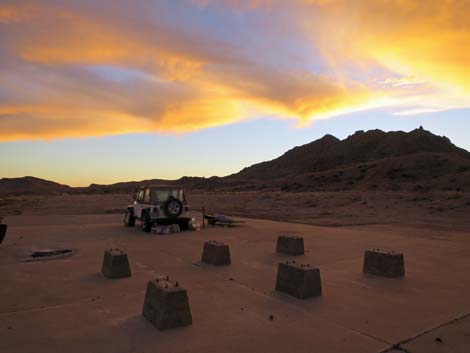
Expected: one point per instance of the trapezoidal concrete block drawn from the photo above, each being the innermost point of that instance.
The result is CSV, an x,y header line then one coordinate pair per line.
x,y
115,264
290,245
384,263
166,304
216,253
3,232
298,280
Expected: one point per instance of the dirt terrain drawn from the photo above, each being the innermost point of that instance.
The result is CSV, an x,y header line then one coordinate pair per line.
x,y
439,209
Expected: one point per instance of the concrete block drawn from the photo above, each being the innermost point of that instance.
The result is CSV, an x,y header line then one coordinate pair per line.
x,y
298,280
115,264
3,232
290,245
166,304
215,253
384,263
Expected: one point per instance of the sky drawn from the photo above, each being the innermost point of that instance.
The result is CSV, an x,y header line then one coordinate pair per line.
x,y
100,92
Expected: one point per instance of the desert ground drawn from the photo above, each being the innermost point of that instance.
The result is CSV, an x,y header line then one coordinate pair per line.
x,y
66,305
441,209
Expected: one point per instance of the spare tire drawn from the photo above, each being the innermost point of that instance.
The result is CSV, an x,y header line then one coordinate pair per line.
x,y
173,207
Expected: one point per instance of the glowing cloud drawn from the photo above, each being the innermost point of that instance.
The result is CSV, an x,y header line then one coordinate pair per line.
x,y
426,45
91,69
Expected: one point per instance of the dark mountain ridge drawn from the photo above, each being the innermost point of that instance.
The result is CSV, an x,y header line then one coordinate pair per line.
x,y
330,153
30,185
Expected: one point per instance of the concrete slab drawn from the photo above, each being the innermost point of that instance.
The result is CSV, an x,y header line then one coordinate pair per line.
x,y
75,309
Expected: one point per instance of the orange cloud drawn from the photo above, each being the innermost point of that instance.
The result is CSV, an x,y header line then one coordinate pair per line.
x,y
237,4
15,13
74,70
427,41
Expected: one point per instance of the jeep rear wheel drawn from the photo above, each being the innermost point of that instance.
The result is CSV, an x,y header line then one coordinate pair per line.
x,y
129,219
146,225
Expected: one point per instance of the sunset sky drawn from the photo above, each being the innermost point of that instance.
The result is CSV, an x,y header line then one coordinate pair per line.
x,y
106,91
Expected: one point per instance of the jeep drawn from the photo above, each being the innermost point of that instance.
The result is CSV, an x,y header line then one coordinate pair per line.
x,y
158,205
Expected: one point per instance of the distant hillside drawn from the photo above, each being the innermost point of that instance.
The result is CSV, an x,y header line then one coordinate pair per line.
x,y
418,160
329,152
30,185
372,159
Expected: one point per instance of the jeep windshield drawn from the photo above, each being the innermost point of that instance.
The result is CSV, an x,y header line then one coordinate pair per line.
x,y
162,195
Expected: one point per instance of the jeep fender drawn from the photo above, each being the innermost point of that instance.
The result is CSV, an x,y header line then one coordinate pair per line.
x,y
131,210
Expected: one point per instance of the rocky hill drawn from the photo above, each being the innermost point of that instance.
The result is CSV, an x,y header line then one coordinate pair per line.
x,y
373,159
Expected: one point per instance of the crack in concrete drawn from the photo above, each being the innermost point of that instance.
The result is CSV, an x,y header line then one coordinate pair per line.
x,y
398,345
47,307
396,348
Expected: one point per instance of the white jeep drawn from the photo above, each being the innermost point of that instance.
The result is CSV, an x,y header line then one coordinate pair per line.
x,y
158,205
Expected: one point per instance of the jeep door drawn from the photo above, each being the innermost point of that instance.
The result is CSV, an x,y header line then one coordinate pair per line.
x,y
138,203
146,199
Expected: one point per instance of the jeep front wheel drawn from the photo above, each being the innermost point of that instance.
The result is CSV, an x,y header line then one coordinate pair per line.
x,y
146,225
129,219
